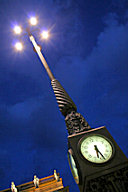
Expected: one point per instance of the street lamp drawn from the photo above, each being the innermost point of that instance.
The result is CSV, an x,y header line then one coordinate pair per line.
x,y
19,46
66,105
45,34
33,21
96,161
75,121
17,29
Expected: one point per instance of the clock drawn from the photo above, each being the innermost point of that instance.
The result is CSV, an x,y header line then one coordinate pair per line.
x,y
96,149
73,167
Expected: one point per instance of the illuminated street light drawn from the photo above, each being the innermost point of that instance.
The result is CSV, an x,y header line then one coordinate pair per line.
x,y
19,46
45,34
33,20
79,131
37,48
17,29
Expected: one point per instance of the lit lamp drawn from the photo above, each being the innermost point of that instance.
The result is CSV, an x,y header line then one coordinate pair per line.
x,y
33,21
19,46
18,30
45,34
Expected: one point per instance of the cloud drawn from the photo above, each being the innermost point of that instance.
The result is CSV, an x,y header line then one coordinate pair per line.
x,y
17,88
119,3
108,81
23,110
99,83
46,127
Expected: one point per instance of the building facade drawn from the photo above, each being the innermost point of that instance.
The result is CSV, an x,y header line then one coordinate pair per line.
x,y
52,183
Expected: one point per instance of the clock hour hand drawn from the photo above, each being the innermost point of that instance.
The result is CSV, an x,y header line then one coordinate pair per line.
x,y
96,149
98,152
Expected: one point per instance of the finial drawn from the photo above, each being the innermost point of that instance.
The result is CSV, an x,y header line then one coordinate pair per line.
x,y
36,181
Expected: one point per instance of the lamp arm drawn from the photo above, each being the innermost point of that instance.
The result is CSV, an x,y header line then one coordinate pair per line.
x,y
38,51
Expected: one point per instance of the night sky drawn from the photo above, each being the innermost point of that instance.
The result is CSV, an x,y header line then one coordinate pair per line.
x,y
88,53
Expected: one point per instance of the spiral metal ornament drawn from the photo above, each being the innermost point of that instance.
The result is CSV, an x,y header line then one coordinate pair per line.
x,y
65,103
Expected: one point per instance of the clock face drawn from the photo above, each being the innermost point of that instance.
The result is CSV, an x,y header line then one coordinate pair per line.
x,y
96,149
73,167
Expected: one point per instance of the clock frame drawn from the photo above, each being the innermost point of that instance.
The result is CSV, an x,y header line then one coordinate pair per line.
x,y
100,136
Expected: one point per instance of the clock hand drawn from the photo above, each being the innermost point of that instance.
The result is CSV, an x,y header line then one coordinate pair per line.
x,y
96,149
101,154
98,152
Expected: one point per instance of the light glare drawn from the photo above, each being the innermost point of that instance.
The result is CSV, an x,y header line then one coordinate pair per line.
x,y
19,46
45,34
33,21
17,29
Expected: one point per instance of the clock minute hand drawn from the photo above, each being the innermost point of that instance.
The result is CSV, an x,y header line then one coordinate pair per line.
x,y
101,154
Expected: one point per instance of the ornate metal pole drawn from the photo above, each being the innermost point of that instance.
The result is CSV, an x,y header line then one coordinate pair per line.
x,y
75,122
91,176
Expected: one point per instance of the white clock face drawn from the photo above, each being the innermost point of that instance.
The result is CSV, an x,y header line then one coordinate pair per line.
x,y
96,149
73,168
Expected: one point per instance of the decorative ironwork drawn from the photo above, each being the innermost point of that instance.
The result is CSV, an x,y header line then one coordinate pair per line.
x,y
76,123
116,181
65,103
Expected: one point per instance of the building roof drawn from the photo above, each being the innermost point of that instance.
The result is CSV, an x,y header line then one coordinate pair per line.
x,y
46,184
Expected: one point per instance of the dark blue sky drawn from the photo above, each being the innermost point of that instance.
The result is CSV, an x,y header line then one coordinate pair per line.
x,y
88,53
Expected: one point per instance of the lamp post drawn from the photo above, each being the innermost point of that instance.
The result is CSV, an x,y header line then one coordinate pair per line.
x,y
65,103
95,159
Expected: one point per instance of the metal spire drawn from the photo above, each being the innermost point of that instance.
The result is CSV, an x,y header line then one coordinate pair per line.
x,y
75,121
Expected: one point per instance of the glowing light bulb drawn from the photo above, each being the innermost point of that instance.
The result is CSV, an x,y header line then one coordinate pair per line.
x,y
19,46
17,29
45,34
33,21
